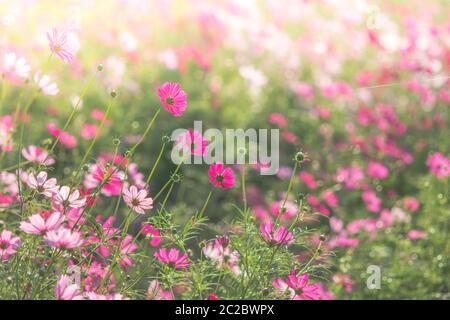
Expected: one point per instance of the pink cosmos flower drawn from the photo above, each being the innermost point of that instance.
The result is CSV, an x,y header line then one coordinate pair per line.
x,y
128,247
95,276
64,197
67,140
6,130
287,211
66,290
172,257
411,204
45,84
97,114
151,233
351,177
308,179
278,119
64,238
220,251
111,179
373,203
88,131
280,237
377,170
343,280
137,200
37,224
416,235
220,176
41,184
297,287
110,297
60,46
37,155
330,198
8,244
439,165
173,98
193,143
155,292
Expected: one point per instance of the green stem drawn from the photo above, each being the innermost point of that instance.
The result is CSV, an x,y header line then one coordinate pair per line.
x,y
88,151
72,114
149,126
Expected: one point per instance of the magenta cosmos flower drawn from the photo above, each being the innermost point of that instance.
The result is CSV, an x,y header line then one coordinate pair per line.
x,y
173,258
173,98
281,236
297,287
439,165
59,45
64,238
193,143
66,290
152,234
37,224
137,200
8,244
220,176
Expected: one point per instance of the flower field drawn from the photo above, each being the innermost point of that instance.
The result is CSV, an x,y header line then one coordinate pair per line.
x,y
199,149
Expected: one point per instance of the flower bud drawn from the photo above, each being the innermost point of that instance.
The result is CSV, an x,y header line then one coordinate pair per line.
x,y
99,67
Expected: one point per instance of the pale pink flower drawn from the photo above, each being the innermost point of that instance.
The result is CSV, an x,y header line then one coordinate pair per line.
x,y
220,251
60,45
64,238
37,224
6,130
45,84
173,98
41,184
137,200
8,244
14,68
155,292
64,197
66,290
37,155
281,236
173,258
416,235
